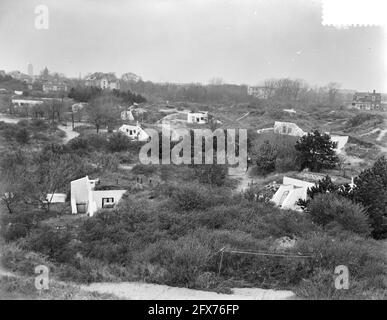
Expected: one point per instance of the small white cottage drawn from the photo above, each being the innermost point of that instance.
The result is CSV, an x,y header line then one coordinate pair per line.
x,y
200,117
84,199
134,132
290,192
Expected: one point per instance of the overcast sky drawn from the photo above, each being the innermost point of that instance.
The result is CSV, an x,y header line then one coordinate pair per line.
x,y
241,41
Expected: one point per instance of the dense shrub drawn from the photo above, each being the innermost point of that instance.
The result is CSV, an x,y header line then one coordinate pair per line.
x,y
213,174
18,224
96,142
195,196
144,169
364,259
371,192
327,208
56,244
17,260
22,136
190,197
183,259
274,152
118,142
79,144
361,118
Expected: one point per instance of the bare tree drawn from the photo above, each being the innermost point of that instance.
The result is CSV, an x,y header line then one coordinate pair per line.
x,y
103,111
333,89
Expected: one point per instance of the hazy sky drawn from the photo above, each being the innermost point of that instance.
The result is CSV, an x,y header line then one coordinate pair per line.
x,y
241,41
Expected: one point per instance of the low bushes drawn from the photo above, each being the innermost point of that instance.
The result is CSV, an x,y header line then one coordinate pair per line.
x,y
197,197
118,142
364,259
330,209
363,117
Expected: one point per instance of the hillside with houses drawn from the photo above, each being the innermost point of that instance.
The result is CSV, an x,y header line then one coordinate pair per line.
x,y
76,195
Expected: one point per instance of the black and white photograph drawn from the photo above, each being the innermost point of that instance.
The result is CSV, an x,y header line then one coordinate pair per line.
x,y
193,154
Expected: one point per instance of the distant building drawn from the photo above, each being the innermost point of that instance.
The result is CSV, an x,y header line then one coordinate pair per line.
x,y
25,102
76,107
258,92
103,81
108,84
30,70
367,101
200,117
288,128
54,86
290,192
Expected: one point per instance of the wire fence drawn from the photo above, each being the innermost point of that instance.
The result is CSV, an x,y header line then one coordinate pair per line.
x,y
260,253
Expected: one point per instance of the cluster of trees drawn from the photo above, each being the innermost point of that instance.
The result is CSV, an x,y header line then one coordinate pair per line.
x,y
293,90
87,94
103,109
367,198
275,90
272,152
194,92
314,151
129,97
27,181
84,94
7,82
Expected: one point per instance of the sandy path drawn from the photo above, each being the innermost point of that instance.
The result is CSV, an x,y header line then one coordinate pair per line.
x,y
147,291
70,134
9,119
244,178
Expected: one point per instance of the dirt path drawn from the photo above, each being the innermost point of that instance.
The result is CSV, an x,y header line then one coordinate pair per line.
x,y
243,177
70,134
147,291
10,119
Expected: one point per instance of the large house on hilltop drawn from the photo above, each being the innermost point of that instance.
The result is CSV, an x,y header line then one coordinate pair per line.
x,y
54,86
103,80
367,101
258,92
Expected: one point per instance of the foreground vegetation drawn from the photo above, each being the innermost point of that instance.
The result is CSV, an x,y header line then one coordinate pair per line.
x,y
174,232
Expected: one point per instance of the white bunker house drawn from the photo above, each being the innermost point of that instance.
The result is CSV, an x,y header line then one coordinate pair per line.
x,y
127,115
84,199
134,132
290,192
200,117
288,128
341,142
